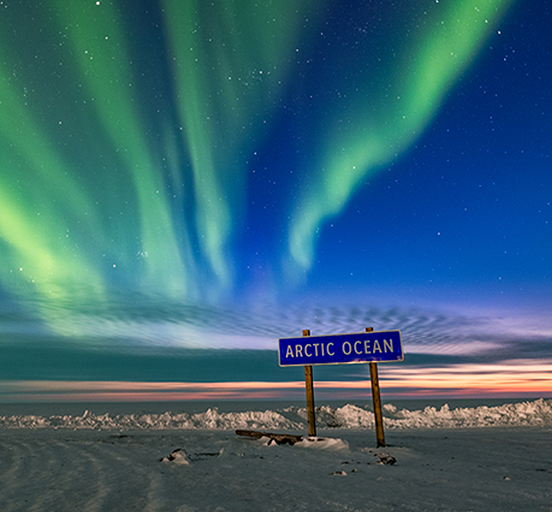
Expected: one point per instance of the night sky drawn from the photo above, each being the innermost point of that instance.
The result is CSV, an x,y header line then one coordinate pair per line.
x,y
184,182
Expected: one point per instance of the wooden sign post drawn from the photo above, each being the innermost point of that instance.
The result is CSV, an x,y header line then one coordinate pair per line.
x,y
310,395
376,400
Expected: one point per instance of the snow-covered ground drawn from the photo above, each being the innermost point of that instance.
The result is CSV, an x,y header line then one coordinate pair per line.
x,y
453,459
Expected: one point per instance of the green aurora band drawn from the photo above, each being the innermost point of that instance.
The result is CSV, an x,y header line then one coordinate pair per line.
x,y
230,60
384,120
88,200
103,62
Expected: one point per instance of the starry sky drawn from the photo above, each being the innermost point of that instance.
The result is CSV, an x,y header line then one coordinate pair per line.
x,y
184,182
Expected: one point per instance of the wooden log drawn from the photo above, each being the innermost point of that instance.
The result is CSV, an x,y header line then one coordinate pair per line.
x,y
278,438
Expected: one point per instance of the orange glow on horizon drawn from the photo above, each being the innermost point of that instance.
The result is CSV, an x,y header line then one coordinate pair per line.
x,y
509,379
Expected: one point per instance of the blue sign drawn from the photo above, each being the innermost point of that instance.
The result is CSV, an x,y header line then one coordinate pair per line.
x,y
360,347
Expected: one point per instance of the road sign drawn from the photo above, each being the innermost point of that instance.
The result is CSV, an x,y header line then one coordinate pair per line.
x,y
360,347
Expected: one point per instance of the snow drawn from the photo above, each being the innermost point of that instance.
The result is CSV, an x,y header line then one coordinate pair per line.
x,y
450,459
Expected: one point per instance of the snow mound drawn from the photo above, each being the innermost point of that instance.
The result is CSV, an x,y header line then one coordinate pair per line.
x,y
531,413
535,413
324,443
178,456
212,419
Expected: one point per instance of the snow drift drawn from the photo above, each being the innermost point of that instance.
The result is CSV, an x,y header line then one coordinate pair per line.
x,y
530,413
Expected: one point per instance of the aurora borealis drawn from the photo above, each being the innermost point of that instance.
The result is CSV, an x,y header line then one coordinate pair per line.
x,y
178,177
